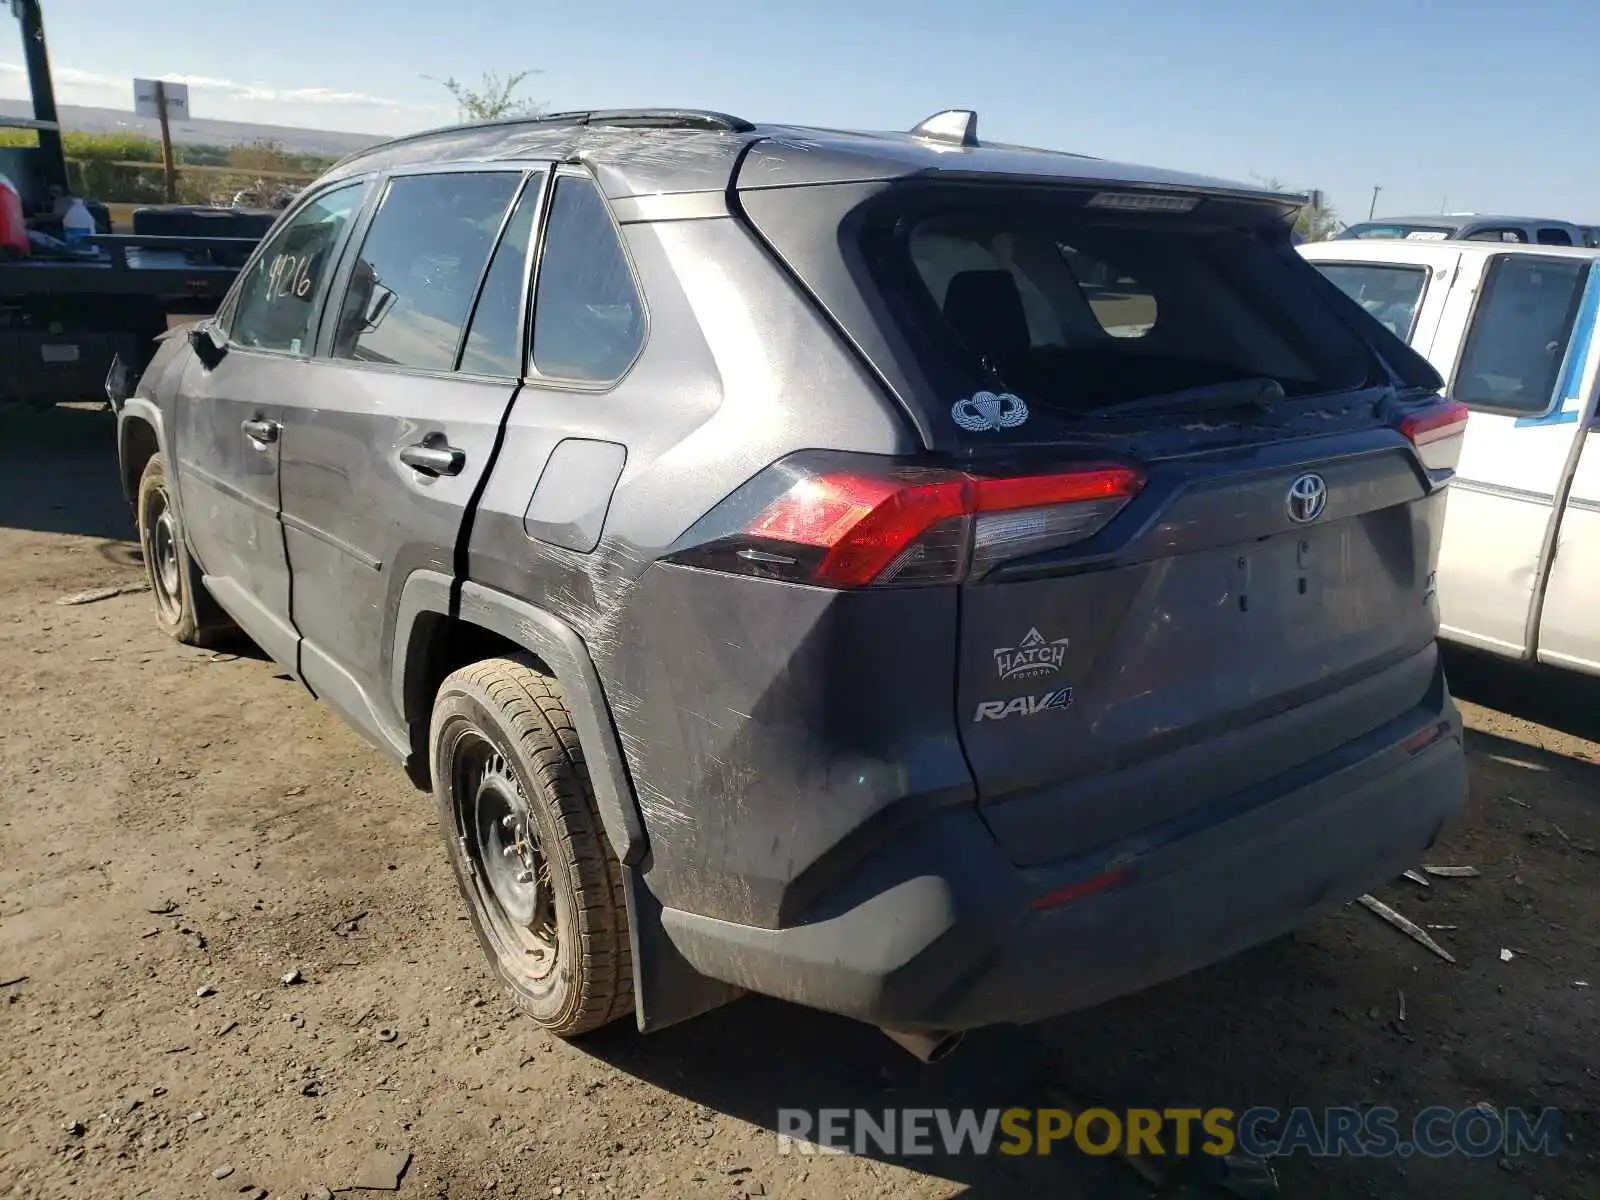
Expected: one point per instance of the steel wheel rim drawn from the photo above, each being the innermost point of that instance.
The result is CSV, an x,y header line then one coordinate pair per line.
x,y
162,555
510,874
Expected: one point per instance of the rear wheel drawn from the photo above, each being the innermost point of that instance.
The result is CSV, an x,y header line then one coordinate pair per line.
x,y
542,886
183,607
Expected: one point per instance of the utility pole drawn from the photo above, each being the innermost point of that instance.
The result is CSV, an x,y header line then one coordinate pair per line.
x,y
169,169
1373,207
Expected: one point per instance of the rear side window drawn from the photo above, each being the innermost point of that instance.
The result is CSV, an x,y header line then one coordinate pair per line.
x,y
494,344
1389,293
284,286
1519,333
413,284
588,318
1077,310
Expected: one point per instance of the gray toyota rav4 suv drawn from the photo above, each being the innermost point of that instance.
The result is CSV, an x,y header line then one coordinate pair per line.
x,y
937,582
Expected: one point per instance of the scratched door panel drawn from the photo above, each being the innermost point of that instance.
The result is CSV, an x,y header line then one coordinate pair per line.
x,y
229,483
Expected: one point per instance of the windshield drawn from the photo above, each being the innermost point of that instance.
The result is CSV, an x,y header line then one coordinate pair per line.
x,y
1078,310
1390,229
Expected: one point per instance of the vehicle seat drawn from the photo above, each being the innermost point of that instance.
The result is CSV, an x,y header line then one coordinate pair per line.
x,y
985,310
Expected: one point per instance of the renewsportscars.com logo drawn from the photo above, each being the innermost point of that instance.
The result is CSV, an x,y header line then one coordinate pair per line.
x,y
1378,1132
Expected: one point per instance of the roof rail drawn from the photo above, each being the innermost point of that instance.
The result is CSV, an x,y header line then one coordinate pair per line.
x,y
959,126
643,118
637,118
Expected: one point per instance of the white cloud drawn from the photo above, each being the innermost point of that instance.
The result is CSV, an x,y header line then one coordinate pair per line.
x,y
90,87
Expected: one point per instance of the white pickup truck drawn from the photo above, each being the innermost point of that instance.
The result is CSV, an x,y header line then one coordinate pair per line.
x,y
1511,330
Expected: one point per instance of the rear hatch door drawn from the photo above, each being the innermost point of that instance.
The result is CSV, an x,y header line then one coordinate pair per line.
x,y
1251,587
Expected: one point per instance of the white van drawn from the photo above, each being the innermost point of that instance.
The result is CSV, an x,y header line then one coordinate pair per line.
x,y
1511,329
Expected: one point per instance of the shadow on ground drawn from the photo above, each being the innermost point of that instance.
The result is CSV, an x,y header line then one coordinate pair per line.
x,y
1292,1023
1240,1034
62,476
756,1057
1564,700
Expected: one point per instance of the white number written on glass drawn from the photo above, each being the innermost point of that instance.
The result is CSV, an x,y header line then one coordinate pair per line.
x,y
289,275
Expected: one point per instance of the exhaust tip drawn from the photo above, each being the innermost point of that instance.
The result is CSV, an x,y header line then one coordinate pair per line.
x,y
927,1047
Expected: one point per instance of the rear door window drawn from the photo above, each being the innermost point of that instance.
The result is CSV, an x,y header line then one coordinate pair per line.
x,y
1519,333
1391,293
1554,237
424,253
494,342
1080,310
1497,233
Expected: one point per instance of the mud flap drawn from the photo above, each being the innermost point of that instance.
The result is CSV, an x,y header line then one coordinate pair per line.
x,y
666,989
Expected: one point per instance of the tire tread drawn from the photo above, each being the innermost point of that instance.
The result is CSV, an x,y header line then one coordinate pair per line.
x,y
529,702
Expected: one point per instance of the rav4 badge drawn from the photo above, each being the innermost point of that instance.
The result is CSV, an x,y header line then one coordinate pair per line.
x,y
1025,706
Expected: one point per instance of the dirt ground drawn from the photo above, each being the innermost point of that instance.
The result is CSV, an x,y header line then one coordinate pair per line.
x,y
180,830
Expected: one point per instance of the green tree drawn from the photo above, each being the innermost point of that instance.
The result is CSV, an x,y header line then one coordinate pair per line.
x,y
495,96
1318,221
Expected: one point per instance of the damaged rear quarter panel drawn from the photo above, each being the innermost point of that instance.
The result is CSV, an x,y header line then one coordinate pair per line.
x,y
738,371
779,732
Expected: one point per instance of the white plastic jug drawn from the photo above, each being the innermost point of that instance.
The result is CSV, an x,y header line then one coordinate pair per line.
x,y
77,224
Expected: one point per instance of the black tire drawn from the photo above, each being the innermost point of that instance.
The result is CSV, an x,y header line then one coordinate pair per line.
x,y
184,609
548,911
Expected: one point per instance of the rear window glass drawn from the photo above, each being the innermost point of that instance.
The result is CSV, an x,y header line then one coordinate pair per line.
x,y
588,318
1077,310
1519,333
1394,229
1498,233
1389,293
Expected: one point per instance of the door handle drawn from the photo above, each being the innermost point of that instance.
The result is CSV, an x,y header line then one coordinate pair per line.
x,y
258,430
433,459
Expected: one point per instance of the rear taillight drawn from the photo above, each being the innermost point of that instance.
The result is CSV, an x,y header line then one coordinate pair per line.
x,y
1436,432
894,525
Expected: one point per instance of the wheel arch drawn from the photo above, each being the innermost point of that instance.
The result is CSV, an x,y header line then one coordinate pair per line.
x,y
426,609
140,437
666,988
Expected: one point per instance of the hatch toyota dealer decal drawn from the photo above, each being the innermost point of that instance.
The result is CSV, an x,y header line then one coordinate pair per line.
x,y
1031,658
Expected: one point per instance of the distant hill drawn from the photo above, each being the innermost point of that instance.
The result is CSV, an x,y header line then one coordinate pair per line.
x,y
197,131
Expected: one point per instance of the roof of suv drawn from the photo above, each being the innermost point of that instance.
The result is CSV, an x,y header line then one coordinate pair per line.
x,y
640,152
1400,250
1460,221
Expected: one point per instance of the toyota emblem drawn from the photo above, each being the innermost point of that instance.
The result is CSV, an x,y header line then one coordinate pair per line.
x,y
1308,496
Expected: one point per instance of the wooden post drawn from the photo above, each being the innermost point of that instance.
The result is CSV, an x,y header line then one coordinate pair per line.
x,y
167,165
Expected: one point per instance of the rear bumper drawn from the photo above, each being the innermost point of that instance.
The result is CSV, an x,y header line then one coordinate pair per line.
x,y
938,929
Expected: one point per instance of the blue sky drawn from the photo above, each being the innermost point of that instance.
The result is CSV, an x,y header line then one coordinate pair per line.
x,y
1471,104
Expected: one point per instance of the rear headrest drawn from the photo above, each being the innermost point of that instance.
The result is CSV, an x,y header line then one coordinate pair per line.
x,y
984,308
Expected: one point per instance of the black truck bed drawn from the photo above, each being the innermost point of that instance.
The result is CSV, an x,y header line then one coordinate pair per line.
x,y
158,268
63,321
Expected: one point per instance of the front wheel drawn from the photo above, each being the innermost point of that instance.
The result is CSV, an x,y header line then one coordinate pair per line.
x,y
183,607
542,886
